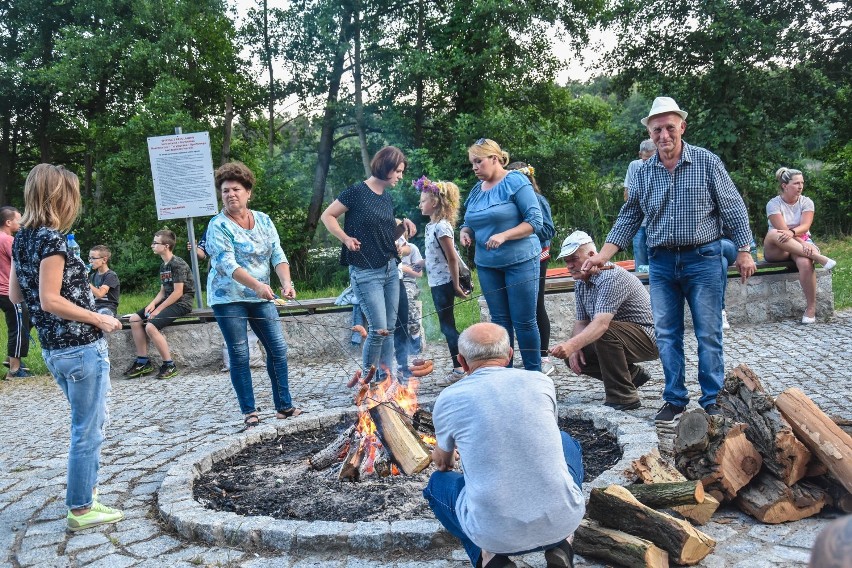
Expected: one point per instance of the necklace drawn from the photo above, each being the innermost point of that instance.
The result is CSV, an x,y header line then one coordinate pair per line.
x,y
249,223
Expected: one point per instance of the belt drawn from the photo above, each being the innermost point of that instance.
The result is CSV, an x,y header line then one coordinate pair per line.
x,y
683,248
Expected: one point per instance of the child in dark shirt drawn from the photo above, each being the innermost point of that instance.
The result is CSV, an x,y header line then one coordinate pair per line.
x,y
103,282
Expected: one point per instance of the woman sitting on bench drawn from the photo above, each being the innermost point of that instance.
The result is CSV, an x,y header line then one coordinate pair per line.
x,y
790,216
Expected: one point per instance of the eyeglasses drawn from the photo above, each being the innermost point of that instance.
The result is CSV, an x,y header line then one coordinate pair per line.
x,y
155,243
95,257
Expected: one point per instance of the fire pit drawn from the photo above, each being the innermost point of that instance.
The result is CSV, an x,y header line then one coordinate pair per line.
x,y
271,487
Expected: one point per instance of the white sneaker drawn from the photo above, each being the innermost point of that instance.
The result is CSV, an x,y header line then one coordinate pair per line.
x,y
725,324
830,264
452,377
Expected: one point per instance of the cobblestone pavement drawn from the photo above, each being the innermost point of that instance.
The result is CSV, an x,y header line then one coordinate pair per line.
x,y
153,422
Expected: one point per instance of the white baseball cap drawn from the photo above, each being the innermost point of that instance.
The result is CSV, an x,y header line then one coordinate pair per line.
x,y
663,105
572,242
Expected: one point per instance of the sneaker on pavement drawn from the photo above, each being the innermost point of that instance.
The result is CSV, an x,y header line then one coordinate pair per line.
x,y
99,514
713,409
725,324
546,366
21,373
167,371
669,413
138,369
452,377
641,377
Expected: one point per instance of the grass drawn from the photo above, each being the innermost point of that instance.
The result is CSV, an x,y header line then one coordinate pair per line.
x,y
467,310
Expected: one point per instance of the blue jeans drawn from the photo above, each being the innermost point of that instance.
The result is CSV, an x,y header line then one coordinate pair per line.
x,y
378,292
729,257
263,319
511,293
444,298
444,488
640,247
694,275
83,375
401,339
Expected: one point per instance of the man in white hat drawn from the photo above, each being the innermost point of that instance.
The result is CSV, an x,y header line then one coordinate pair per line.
x,y
614,329
686,195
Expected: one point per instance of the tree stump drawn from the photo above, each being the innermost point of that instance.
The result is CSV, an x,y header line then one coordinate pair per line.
x,y
770,500
744,400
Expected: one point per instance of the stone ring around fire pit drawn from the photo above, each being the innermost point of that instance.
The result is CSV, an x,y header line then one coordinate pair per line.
x,y
193,521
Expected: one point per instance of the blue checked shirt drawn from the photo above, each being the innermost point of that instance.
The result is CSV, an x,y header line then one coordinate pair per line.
x,y
686,207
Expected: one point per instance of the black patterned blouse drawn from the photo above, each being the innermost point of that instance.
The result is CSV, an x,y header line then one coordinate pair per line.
x,y
31,246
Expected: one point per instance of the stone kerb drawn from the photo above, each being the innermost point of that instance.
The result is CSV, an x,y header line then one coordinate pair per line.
x,y
764,298
194,522
198,346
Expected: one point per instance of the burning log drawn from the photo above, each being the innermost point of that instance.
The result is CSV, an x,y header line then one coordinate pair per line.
x,y
667,495
367,466
716,452
769,500
334,452
831,445
422,421
381,462
744,400
400,439
615,507
591,539
349,471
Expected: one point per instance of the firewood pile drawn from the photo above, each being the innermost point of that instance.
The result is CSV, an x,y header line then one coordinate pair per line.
x,y
392,434
777,460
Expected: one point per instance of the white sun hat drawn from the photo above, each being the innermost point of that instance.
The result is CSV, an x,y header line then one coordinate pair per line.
x,y
662,105
572,242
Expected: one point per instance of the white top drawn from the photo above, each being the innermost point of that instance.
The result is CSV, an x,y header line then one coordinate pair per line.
x,y
437,269
791,212
410,260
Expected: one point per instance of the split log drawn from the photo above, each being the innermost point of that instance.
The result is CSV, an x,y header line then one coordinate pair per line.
x,y
651,468
667,495
699,513
349,471
770,501
381,463
716,452
615,507
422,421
591,539
334,452
367,465
831,445
744,400
400,439
836,494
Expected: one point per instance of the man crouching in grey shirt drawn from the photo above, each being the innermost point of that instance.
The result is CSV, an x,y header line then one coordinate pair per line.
x,y
521,487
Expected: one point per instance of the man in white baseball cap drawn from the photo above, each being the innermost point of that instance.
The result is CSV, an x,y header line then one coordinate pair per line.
x,y
687,196
614,329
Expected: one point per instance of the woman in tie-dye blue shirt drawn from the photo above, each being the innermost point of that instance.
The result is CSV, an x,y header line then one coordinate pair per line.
x,y
242,245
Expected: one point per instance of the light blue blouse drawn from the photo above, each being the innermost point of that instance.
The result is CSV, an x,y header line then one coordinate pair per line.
x,y
229,247
499,209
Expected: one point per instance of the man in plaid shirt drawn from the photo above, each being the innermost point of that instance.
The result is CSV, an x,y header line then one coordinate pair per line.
x,y
686,195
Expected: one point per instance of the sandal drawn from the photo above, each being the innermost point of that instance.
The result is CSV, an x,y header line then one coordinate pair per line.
x,y
289,413
250,421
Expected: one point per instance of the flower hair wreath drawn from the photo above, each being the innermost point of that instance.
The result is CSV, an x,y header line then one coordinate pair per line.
x,y
425,184
527,171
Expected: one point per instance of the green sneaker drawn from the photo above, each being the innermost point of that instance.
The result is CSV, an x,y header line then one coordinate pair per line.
x,y
139,369
167,371
99,514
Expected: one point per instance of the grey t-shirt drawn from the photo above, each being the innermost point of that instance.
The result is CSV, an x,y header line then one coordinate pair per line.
x,y
518,493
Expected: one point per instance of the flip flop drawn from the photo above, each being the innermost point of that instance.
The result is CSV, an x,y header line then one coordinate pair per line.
x,y
289,413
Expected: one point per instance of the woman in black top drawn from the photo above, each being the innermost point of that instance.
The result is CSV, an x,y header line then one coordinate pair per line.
x,y
369,249
54,285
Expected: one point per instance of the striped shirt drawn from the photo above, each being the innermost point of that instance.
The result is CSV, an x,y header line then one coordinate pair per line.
x,y
685,207
614,292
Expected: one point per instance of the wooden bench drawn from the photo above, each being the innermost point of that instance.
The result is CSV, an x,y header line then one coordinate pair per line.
x,y
557,284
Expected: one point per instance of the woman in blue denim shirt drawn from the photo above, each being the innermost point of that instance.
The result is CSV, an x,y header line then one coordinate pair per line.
x,y
55,287
502,216
369,250
242,244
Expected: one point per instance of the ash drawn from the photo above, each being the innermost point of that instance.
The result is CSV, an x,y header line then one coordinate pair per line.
x,y
273,478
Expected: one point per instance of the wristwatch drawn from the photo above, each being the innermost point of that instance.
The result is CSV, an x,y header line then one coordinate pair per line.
x,y
744,248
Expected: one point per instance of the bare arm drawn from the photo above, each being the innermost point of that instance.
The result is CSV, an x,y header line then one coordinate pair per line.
x,y
100,291
446,243
444,461
330,218
585,333
283,271
50,284
602,257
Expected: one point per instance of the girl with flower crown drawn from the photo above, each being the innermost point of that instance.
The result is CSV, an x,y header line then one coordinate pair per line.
x,y
440,202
